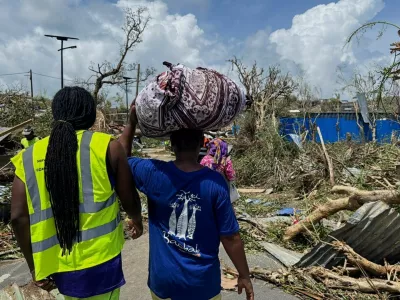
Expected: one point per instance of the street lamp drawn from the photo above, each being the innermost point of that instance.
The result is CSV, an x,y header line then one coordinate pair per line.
x,y
126,94
62,39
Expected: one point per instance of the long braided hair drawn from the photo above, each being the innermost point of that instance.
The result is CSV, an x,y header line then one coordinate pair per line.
x,y
73,109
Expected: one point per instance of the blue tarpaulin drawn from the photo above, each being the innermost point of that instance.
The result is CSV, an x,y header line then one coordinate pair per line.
x,y
335,127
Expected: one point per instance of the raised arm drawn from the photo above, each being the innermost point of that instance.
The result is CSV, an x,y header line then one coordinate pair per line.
x,y
126,138
125,186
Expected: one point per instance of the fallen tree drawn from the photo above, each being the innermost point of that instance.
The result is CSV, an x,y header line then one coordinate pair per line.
x,y
365,285
370,267
356,199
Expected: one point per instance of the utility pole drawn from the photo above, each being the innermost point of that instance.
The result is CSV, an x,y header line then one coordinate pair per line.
x,y
62,39
33,105
126,94
137,80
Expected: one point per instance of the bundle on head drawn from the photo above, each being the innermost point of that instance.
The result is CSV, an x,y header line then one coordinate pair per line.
x,y
73,109
188,98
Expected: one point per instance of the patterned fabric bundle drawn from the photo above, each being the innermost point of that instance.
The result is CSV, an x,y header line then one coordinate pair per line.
x,y
186,98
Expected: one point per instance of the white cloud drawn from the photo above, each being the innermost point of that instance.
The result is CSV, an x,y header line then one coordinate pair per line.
x,y
169,37
316,39
314,42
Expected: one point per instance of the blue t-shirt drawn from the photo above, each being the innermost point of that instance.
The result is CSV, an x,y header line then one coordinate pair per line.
x,y
188,212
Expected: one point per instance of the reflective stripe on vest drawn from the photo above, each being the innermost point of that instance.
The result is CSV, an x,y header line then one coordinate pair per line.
x,y
88,205
84,235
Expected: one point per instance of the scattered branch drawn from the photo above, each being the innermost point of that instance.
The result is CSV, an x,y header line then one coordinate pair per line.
x,y
336,281
353,202
357,260
327,157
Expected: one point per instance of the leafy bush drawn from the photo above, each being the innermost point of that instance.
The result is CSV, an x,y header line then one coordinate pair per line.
x,y
266,160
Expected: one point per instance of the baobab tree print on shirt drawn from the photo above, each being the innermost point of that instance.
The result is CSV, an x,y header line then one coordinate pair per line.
x,y
183,227
192,221
187,197
172,220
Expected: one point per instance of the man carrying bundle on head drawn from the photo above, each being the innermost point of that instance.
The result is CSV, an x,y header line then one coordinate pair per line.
x,y
190,211
64,208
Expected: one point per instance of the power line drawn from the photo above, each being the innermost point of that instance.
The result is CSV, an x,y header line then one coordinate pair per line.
x,y
14,74
51,76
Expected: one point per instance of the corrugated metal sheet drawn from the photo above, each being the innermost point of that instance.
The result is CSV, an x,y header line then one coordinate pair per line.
x,y
373,231
362,103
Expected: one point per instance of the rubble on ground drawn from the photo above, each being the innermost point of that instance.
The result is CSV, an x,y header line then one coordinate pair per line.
x,y
28,292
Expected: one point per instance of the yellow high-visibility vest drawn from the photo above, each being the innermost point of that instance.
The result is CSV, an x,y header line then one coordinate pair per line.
x,y
27,143
101,232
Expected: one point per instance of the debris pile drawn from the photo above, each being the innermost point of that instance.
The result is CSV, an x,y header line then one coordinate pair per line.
x,y
8,244
360,257
29,291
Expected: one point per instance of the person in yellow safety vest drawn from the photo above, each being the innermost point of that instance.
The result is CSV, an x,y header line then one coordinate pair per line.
x,y
65,212
29,137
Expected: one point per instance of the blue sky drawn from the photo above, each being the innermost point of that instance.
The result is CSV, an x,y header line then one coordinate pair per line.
x,y
302,36
240,18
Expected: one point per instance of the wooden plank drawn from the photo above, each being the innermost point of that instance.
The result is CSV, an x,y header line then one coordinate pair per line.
x,y
9,130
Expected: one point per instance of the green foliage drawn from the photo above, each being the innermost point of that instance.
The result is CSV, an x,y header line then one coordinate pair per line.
x,y
265,160
17,108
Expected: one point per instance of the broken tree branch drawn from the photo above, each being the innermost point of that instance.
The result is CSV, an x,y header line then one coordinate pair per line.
x,y
357,260
335,281
328,159
356,199
253,223
278,277
321,212
387,196
12,251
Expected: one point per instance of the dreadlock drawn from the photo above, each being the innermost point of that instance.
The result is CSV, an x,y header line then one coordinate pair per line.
x,y
73,109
